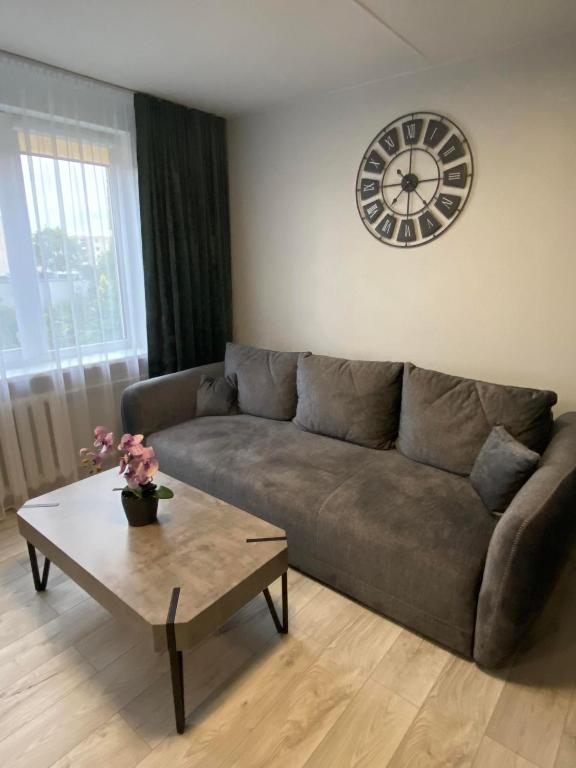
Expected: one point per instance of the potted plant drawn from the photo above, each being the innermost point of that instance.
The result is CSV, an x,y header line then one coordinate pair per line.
x,y
138,465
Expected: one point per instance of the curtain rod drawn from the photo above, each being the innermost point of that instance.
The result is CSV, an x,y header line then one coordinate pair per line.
x,y
65,71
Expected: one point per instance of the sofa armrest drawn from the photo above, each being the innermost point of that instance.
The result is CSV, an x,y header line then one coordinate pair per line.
x,y
528,549
155,404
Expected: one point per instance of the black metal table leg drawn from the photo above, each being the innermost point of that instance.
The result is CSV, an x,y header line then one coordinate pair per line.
x,y
39,583
281,626
176,663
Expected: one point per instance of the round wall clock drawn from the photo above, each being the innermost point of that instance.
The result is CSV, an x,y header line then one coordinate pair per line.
x,y
414,179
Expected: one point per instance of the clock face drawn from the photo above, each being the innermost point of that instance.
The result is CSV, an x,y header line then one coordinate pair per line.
x,y
414,179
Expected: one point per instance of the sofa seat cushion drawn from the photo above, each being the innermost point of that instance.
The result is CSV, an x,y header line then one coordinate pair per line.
x,y
416,534
445,420
405,538
351,400
269,468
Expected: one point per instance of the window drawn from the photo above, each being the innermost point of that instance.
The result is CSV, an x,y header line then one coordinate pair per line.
x,y
68,278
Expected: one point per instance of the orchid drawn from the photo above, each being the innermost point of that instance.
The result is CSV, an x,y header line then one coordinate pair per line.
x,y
137,463
131,444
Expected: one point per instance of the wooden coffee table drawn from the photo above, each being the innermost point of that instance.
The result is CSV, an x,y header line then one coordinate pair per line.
x,y
179,580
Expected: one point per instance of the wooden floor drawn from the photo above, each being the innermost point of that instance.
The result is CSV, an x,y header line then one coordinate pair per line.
x,y
346,688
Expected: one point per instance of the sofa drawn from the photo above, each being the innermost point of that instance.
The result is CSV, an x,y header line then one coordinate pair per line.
x,y
367,466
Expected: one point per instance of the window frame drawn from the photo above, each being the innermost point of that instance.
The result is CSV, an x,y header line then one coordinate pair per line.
x,y
24,279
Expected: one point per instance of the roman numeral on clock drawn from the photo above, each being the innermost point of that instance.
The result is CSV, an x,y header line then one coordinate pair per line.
x,y
456,177
407,231
387,226
428,224
452,150
373,210
412,130
368,188
435,133
448,204
374,163
390,141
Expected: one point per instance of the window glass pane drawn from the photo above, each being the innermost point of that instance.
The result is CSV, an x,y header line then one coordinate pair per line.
x,y
71,221
9,336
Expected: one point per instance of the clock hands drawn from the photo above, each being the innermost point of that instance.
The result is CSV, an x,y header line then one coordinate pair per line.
x,y
426,202
399,183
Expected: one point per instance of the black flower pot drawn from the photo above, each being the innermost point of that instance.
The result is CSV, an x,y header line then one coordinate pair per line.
x,y
140,511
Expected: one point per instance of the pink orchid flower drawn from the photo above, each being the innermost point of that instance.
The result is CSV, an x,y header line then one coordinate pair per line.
x,y
137,463
103,439
131,444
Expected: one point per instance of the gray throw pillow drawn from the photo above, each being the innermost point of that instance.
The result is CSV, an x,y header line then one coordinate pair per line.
x,y
216,397
266,380
444,420
501,469
351,400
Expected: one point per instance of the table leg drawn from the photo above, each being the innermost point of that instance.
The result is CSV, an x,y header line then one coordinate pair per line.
x,y
176,664
281,626
39,583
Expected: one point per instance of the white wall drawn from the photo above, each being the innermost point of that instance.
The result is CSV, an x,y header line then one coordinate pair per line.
x,y
493,298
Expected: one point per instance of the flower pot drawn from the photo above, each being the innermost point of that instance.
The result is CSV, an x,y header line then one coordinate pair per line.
x,y
140,511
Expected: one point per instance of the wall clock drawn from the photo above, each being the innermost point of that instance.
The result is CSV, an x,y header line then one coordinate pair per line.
x,y
414,179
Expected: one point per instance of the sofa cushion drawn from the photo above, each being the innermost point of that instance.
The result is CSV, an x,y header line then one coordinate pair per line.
x,y
415,534
407,539
445,420
351,400
266,380
501,469
216,396
270,468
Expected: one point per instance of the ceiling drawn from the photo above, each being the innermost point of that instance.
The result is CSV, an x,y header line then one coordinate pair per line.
x,y
235,56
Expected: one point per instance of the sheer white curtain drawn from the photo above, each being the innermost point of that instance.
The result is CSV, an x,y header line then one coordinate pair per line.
x,y
72,319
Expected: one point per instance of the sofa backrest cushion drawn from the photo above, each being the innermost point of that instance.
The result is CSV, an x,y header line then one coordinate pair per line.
x,y
266,380
445,420
350,399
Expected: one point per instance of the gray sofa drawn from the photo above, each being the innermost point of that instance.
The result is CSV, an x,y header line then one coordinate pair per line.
x,y
390,526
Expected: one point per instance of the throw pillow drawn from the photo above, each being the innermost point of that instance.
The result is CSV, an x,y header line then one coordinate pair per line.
x,y
266,380
501,469
216,397
444,420
350,400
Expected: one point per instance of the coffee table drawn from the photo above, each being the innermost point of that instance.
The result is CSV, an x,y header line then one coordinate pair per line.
x,y
178,580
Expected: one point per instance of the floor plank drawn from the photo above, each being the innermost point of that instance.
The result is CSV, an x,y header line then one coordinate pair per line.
x,y
437,739
494,755
11,569
289,734
108,642
18,622
40,645
40,689
113,744
411,667
65,595
368,732
466,691
225,720
59,729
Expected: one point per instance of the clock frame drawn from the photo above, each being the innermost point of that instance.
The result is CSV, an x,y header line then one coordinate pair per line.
x,y
414,179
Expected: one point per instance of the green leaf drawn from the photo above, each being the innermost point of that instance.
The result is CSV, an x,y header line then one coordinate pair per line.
x,y
163,493
136,492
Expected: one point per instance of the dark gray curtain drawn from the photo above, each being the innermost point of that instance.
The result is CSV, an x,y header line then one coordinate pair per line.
x,y
183,181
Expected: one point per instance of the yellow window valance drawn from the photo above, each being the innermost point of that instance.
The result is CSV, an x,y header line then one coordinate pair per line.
x,y
44,145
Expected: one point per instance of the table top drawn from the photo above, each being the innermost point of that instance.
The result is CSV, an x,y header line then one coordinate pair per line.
x,y
199,544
